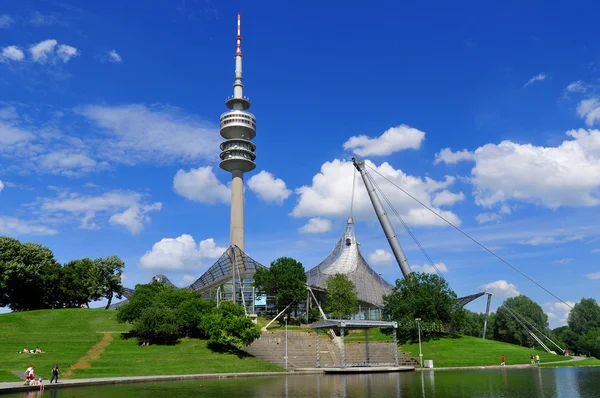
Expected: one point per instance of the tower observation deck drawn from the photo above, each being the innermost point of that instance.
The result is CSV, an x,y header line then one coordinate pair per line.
x,y
238,127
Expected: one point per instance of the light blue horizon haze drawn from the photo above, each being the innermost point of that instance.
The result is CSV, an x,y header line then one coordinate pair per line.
x,y
488,113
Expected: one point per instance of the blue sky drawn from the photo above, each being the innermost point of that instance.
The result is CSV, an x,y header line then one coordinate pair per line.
x,y
488,113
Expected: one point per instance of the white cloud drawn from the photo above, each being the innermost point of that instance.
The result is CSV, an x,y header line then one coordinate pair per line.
x,y
594,275
484,218
187,280
537,78
447,156
550,240
65,52
551,315
577,87
589,110
1,185
269,188
430,269
447,198
11,134
201,185
560,311
124,208
566,175
12,53
330,194
43,51
501,288
316,225
68,162
135,133
595,250
6,21
562,261
38,19
113,56
393,140
12,226
134,217
381,257
181,253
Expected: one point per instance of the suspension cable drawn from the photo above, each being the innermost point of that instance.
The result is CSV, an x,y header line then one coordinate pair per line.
x,y
471,238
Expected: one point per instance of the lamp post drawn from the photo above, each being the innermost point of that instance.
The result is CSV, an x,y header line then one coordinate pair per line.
x,y
420,350
286,350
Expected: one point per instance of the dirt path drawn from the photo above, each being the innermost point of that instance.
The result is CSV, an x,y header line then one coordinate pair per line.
x,y
93,354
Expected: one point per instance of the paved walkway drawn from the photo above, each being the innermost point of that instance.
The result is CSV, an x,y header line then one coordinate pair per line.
x,y
519,366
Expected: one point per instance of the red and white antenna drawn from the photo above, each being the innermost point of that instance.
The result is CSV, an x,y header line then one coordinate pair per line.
x,y
239,39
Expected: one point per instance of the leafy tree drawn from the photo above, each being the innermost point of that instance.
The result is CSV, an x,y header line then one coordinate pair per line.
x,y
228,325
590,343
29,276
81,282
285,280
157,324
506,327
342,300
424,296
110,269
143,297
567,339
584,317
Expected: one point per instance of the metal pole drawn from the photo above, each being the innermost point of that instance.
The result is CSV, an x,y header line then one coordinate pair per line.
x,y
388,229
395,346
233,272
318,352
420,349
286,348
343,348
487,314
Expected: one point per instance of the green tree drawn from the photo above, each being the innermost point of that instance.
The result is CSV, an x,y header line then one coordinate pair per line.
x,y
590,343
157,324
143,297
81,282
584,317
342,300
111,270
228,325
509,330
285,280
29,276
424,296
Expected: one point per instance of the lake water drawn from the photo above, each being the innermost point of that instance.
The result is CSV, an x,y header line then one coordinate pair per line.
x,y
513,383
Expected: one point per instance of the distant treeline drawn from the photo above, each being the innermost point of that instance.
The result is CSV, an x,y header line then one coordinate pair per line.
x,y
32,279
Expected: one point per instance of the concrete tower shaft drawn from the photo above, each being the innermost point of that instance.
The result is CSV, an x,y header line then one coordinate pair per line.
x,y
238,127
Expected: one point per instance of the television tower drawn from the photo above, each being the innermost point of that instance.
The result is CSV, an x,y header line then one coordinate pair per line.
x,y
238,127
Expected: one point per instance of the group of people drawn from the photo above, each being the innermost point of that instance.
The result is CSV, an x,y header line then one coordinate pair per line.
x,y
27,351
533,359
30,379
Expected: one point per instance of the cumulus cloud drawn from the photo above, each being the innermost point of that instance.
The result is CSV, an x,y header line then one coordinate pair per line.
x,y
269,188
381,257
594,275
447,198
125,208
181,253
187,280
560,312
577,87
329,195
6,21
484,218
589,110
134,218
12,53
12,226
42,51
447,156
537,78
316,225
113,56
501,288
393,140
65,52
565,175
201,185
430,269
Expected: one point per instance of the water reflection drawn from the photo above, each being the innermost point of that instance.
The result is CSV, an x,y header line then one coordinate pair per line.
x,y
504,383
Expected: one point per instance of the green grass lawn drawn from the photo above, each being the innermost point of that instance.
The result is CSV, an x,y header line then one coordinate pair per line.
x,y
585,362
66,335
474,351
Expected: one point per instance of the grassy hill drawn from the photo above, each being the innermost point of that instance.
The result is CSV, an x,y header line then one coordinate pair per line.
x,y
88,341
474,351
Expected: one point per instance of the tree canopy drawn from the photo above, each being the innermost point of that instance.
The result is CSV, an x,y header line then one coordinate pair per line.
x,y
584,317
342,300
284,280
424,296
509,330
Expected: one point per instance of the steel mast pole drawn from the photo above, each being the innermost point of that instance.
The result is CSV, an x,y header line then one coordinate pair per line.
x,y
487,314
388,229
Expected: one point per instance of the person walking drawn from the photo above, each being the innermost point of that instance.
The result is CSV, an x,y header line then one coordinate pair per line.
x,y
532,360
54,374
537,359
503,363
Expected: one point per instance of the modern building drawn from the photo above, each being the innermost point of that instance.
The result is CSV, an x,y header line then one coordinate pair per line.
x,y
346,259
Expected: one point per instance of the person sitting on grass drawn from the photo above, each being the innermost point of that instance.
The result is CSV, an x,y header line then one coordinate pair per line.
x,y
37,350
25,350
